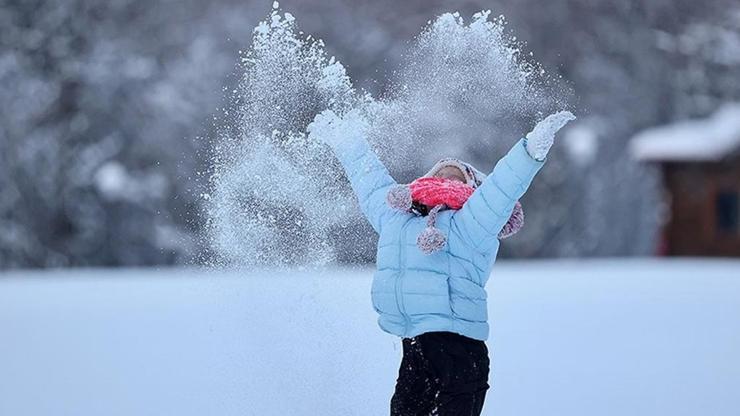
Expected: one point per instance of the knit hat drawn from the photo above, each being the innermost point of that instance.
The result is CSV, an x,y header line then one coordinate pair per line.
x,y
429,195
473,176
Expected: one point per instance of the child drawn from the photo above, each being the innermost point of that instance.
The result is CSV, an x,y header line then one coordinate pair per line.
x,y
439,237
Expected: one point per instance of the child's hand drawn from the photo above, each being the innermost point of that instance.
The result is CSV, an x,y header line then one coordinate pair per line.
x,y
541,138
327,127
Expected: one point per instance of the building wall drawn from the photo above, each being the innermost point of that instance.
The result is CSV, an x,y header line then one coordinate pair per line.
x,y
701,198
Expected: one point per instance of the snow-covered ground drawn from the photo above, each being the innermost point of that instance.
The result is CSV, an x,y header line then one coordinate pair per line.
x,y
608,337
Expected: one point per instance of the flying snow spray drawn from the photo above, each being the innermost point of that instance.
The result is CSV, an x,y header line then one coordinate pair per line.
x,y
279,199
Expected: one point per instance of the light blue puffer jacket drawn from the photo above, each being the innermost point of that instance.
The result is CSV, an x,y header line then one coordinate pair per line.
x,y
415,292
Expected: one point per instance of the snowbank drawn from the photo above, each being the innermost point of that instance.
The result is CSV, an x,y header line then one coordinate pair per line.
x,y
637,337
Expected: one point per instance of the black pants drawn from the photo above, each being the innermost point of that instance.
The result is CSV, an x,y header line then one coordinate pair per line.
x,y
442,373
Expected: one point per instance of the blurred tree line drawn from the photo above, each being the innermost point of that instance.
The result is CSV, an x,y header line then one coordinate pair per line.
x,y
107,112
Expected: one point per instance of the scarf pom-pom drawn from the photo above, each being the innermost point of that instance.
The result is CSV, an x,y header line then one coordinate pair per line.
x,y
399,197
514,224
431,240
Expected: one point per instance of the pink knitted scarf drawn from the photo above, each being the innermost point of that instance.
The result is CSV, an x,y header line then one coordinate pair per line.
x,y
433,191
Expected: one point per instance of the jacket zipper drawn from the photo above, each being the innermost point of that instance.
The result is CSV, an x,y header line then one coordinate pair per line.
x,y
399,280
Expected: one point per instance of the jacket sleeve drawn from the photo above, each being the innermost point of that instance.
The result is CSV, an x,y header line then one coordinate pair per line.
x,y
489,208
370,180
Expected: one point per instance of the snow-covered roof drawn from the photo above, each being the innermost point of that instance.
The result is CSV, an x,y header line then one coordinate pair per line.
x,y
707,139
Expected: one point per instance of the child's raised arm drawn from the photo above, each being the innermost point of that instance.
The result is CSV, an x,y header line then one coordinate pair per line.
x,y
487,210
369,178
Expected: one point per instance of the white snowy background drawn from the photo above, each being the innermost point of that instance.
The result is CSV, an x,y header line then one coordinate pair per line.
x,y
108,111
573,338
